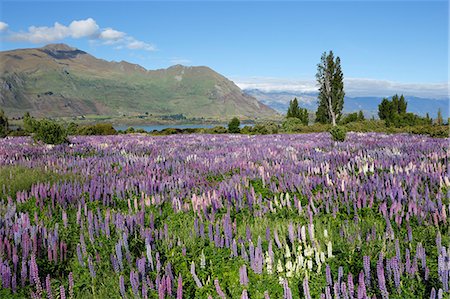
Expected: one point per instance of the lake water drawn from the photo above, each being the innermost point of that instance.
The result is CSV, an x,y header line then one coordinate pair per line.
x,y
150,128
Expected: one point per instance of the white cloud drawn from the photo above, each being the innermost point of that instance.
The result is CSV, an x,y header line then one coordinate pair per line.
x,y
353,87
3,26
110,34
83,28
87,28
134,44
42,34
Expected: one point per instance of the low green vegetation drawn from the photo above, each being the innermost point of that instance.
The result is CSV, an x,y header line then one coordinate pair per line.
x,y
338,133
234,125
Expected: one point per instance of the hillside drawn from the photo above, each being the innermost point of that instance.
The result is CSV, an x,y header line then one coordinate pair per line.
x,y
279,100
58,80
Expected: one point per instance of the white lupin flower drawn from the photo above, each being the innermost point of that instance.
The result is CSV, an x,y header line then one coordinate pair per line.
x,y
330,249
279,267
289,268
317,256
325,233
202,260
301,261
308,251
288,252
310,264
303,233
268,263
322,257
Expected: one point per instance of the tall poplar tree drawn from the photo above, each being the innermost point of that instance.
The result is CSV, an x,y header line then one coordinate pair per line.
x,y
330,80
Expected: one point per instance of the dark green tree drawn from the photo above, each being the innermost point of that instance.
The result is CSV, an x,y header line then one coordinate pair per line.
x,y
395,105
293,110
402,105
50,132
233,125
4,124
385,109
439,119
330,80
361,116
29,123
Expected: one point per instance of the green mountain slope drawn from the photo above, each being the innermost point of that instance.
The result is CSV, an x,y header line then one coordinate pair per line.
x,y
58,80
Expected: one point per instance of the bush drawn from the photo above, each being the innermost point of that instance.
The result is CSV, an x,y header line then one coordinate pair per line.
x,y
338,133
97,129
233,126
4,126
49,132
292,125
265,128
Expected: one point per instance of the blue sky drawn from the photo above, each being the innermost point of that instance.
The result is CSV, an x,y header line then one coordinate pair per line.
x,y
382,44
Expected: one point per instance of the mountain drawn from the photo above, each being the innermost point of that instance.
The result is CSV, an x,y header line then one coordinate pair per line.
x,y
279,100
58,80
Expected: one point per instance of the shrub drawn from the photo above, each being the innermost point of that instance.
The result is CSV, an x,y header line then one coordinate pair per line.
x,y
247,130
217,130
97,129
233,126
292,125
50,132
4,126
266,128
338,133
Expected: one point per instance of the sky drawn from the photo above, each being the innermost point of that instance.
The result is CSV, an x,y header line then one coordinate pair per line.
x,y
384,46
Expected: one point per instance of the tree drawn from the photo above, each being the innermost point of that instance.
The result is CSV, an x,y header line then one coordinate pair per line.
x,y
293,110
402,105
439,119
330,80
384,109
361,116
395,105
233,125
4,125
50,132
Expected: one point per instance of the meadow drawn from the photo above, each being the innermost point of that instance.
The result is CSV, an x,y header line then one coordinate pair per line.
x,y
225,216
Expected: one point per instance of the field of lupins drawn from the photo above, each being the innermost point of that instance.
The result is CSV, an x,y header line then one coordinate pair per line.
x,y
225,216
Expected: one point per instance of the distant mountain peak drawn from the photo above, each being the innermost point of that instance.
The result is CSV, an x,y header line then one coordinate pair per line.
x,y
58,47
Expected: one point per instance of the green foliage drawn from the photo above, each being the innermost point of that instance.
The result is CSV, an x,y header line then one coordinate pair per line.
x,y
352,117
233,126
294,111
29,123
292,125
265,128
4,125
331,89
49,132
19,178
439,119
338,133
394,113
97,129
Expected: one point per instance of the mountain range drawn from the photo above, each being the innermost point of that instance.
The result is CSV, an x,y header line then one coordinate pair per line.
x,y
58,80
279,100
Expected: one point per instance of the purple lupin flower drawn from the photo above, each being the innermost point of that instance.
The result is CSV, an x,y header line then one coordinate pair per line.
x,y
287,290
243,278
351,287
180,287
219,291
361,286
134,280
366,266
306,289
328,275
122,286
381,278
62,292
433,294
194,276
244,294
266,295
91,267
71,284
48,287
